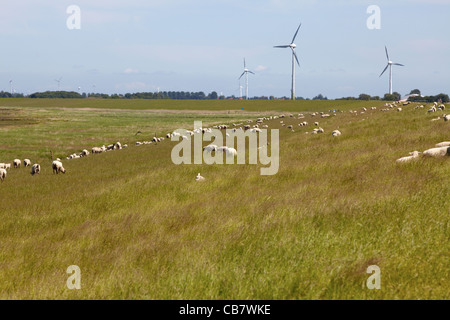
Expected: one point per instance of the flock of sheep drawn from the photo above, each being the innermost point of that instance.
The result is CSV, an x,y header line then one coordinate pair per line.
x,y
440,150
57,167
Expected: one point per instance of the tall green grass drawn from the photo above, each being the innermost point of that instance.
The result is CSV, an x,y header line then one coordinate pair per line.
x,y
140,227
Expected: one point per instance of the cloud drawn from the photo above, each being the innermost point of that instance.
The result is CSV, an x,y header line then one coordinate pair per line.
x,y
260,68
130,70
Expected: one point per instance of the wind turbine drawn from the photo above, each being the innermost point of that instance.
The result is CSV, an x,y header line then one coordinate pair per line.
x,y
59,82
246,71
294,58
10,86
390,64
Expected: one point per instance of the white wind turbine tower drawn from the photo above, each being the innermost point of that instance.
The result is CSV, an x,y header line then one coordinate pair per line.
x,y
390,64
59,82
246,71
294,58
10,86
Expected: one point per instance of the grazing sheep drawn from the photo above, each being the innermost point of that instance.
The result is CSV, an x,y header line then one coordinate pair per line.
x,y
436,119
137,143
316,124
441,107
437,152
110,147
118,146
57,167
413,156
432,109
2,174
443,144
399,109
199,178
125,146
16,163
446,117
290,126
27,162
5,166
35,169
336,133
84,153
210,148
231,152
98,149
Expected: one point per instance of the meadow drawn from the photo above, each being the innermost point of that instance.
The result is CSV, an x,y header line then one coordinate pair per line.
x,y
140,227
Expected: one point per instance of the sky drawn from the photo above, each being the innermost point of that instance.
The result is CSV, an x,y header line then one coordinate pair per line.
x,y
180,45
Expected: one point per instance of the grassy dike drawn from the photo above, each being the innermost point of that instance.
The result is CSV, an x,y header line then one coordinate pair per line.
x,y
140,227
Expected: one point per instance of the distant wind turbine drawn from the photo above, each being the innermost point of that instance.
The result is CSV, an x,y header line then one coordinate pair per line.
x,y
246,71
294,58
59,82
10,86
390,64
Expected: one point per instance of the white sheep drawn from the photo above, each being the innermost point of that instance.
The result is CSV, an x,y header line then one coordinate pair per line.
x,y
27,162
437,152
446,117
2,174
399,109
443,144
210,148
118,146
57,167
35,169
413,156
336,133
97,150
84,153
7,165
199,178
16,163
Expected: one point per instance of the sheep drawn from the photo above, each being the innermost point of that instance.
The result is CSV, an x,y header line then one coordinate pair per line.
x,y
83,153
436,119
446,117
16,163
336,133
118,146
441,107
199,178
137,143
125,146
231,152
2,165
26,162
57,167
98,149
210,148
443,144
432,109
35,169
2,174
316,124
413,156
290,127
8,166
110,147
437,152
399,109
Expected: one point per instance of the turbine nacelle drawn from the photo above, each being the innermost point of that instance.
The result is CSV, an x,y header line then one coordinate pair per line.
x,y
293,45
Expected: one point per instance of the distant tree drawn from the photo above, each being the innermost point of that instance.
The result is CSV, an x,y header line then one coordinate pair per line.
x,y
415,91
392,97
320,97
213,95
375,98
364,96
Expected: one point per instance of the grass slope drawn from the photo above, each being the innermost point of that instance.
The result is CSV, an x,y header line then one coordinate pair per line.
x,y
140,227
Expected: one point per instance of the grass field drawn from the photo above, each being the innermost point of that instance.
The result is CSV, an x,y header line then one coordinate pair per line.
x,y
140,227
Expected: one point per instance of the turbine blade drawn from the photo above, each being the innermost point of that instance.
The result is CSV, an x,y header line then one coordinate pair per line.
x,y
241,75
286,46
384,70
251,72
244,63
387,55
398,64
295,55
296,33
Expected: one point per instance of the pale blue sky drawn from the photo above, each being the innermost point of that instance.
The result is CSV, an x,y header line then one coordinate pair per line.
x,y
180,45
